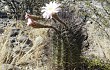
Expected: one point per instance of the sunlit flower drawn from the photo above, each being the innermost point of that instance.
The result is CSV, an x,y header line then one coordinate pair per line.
x,y
50,9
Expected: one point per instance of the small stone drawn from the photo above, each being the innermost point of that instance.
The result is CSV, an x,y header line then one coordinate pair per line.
x,y
38,40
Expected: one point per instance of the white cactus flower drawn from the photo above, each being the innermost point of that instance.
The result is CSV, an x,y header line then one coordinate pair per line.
x,y
50,9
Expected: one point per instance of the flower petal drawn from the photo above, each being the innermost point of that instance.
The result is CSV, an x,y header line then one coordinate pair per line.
x,y
50,9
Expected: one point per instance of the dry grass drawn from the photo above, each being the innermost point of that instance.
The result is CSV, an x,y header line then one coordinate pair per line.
x,y
30,59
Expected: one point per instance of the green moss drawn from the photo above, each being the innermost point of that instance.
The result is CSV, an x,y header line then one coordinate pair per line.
x,y
96,63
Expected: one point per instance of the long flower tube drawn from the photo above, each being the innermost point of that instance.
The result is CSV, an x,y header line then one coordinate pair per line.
x,y
34,24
